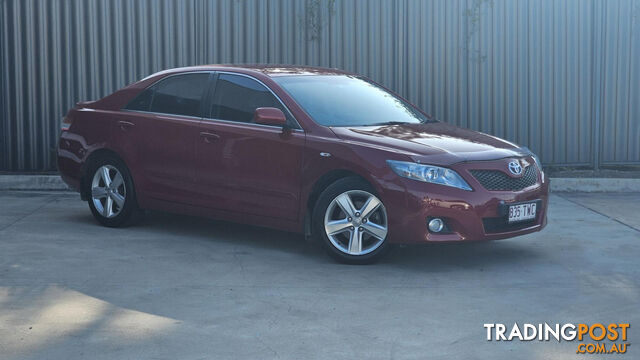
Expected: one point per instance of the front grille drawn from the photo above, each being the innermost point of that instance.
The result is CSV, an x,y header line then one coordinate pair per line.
x,y
498,181
500,224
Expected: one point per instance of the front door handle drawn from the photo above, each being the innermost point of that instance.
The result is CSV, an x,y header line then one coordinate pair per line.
x,y
125,125
209,137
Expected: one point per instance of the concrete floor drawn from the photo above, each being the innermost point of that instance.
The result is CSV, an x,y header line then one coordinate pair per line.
x,y
176,287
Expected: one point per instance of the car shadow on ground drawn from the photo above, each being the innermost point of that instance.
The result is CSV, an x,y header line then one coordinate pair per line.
x,y
437,257
203,229
462,256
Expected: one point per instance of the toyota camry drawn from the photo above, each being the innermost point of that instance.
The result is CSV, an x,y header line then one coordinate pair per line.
x,y
321,152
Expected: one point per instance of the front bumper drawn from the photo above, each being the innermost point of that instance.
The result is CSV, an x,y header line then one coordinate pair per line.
x,y
470,215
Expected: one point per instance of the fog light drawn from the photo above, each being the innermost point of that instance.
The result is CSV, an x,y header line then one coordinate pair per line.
x,y
436,225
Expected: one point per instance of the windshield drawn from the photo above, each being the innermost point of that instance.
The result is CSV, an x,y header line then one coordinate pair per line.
x,y
339,100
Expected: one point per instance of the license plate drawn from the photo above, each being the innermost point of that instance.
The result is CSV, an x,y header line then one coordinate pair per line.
x,y
522,212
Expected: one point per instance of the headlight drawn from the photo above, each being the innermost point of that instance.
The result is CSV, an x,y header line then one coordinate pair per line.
x,y
429,173
534,156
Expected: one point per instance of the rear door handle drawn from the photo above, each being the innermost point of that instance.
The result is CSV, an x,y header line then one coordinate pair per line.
x,y
125,125
209,137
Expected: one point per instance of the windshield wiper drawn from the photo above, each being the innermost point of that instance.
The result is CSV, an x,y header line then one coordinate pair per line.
x,y
428,121
390,123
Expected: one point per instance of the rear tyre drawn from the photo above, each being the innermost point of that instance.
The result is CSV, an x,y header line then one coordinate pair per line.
x,y
111,194
351,222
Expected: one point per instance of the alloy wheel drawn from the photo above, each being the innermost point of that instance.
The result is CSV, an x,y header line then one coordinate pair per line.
x,y
356,222
108,191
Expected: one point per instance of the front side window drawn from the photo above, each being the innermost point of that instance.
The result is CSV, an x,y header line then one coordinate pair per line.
x,y
177,95
340,100
237,97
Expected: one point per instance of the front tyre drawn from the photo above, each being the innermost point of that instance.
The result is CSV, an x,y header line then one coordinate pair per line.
x,y
351,222
111,193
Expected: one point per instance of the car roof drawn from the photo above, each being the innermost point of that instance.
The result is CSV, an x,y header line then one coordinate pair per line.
x,y
268,70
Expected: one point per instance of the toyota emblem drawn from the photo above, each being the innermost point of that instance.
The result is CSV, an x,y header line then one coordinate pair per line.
x,y
515,168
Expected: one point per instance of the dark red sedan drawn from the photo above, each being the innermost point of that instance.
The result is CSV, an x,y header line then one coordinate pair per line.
x,y
318,151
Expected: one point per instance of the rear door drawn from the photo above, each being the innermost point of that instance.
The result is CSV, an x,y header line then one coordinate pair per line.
x,y
166,118
245,167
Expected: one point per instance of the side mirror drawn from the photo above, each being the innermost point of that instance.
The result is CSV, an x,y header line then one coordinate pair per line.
x,y
269,116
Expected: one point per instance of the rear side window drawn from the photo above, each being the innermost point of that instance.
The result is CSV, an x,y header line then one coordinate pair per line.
x,y
142,102
236,98
178,95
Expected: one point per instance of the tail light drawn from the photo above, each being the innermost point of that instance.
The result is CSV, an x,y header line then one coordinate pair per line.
x,y
66,123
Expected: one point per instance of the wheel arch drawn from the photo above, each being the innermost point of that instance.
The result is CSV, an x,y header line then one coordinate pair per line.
x,y
320,184
96,154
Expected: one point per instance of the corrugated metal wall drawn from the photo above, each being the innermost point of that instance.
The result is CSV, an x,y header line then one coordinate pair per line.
x,y
562,77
